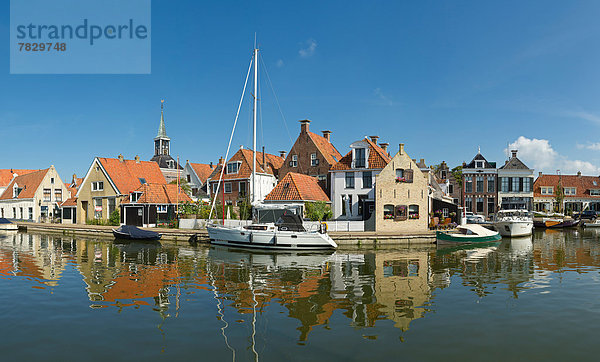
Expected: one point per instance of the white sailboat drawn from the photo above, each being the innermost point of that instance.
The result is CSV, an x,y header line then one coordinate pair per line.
x,y
284,232
514,222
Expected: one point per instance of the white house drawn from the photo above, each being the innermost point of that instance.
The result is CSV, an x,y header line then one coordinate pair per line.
x,y
34,196
515,185
196,175
353,180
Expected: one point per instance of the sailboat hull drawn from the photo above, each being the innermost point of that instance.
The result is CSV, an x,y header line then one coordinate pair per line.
x,y
268,239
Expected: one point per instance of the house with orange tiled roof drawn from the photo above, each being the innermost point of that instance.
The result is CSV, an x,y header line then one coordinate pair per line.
x,y
196,175
311,155
237,176
33,196
352,179
580,193
68,208
6,176
108,180
296,188
152,204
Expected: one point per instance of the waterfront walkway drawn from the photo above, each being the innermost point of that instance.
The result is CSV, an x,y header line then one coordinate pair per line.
x,y
177,235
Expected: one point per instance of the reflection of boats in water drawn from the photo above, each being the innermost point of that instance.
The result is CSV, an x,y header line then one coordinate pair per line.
x,y
270,258
514,222
451,248
521,246
130,232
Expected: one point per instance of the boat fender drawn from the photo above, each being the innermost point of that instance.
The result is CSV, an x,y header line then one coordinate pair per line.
x,y
323,228
251,237
275,239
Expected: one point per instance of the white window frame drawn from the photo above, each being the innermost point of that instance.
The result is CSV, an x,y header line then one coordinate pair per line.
x,y
294,161
230,166
161,209
314,161
49,193
595,192
97,186
225,187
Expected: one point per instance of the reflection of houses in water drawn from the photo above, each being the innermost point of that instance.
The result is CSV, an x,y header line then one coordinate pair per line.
x,y
402,285
566,249
34,256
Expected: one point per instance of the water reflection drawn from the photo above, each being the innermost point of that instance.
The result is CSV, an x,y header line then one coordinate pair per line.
x,y
315,290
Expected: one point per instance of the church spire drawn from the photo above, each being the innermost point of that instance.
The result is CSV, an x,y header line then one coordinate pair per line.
x,y
162,131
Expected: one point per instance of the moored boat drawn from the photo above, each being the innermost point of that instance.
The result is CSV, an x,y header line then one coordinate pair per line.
x,y
470,233
514,223
592,224
130,232
6,224
554,223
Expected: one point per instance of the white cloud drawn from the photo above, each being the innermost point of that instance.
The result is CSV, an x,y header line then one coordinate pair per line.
x,y
384,99
309,50
279,63
539,155
584,115
589,146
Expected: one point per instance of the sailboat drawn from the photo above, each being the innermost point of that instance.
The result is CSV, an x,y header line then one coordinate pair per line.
x,y
285,229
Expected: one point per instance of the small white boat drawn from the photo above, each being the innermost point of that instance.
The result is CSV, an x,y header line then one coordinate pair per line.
x,y
6,224
594,224
469,233
514,222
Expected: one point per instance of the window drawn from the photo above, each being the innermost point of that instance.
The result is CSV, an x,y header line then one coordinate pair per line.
x,y
478,164
16,191
399,173
97,186
134,196
346,203
47,194
52,180
595,192
444,174
445,212
367,179
515,184
547,190
491,184
469,204
491,205
450,189
413,211
98,208
111,205
58,195
233,167
242,188
214,187
142,180
479,183
526,184
349,180
322,177
479,204
468,184
388,212
314,161
188,178
504,184
161,208
227,187
570,191
31,213
360,159
294,161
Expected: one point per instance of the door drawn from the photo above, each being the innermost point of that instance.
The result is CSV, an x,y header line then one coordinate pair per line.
x,y
134,215
84,211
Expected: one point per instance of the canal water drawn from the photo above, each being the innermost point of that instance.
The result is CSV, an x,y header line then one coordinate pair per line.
x,y
64,298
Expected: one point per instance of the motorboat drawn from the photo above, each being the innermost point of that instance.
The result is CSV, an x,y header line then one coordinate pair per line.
x,y
130,232
287,230
6,224
514,222
469,233
591,224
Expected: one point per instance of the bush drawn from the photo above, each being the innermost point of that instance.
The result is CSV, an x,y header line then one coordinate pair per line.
x,y
114,218
318,211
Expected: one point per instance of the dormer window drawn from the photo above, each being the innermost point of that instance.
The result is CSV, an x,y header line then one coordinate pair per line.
x,y
171,164
233,167
360,158
142,180
135,196
478,164
16,191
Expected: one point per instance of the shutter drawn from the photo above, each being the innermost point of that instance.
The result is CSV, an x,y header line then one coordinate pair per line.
x,y
400,212
408,174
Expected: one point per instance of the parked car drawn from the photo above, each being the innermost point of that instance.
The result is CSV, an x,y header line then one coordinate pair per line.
x,y
587,215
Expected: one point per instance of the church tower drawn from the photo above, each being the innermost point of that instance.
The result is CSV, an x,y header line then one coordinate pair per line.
x,y
162,149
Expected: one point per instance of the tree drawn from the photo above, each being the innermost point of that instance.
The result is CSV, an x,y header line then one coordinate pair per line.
x,y
114,218
558,197
245,209
457,174
183,184
318,210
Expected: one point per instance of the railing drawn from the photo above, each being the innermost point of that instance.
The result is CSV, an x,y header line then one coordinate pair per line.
x,y
333,225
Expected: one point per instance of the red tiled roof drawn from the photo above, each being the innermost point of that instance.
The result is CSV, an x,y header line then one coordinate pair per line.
x,y
202,170
273,164
297,187
378,158
28,182
582,185
6,175
161,194
126,174
71,202
330,153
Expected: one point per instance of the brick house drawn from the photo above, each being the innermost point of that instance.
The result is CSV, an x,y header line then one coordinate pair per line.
x,y
480,192
352,186
448,183
296,189
580,192
237,178
401,196
311,155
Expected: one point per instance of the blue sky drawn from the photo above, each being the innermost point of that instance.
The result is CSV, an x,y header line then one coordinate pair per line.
x,y
441,77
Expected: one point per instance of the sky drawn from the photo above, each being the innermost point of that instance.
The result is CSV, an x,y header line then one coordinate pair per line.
x,y
442,77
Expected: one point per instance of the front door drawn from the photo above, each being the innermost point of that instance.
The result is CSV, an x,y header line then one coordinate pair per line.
x,y
84,211
134,215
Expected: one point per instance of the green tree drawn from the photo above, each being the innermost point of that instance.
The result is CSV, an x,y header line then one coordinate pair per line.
x,y
185,186
318,210
114,218
457,174
559,196
245,209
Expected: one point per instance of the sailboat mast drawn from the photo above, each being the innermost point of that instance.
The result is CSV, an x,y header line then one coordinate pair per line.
x,y
253,197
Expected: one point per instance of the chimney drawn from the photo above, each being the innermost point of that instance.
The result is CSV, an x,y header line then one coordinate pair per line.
x,y
282,154
540,174
514,153
401,148
422,162
121,158
304,125
221,161
384,146
464,164
137,159
327,135
579,174
74,178
374,139
211,166
263,163
241,147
